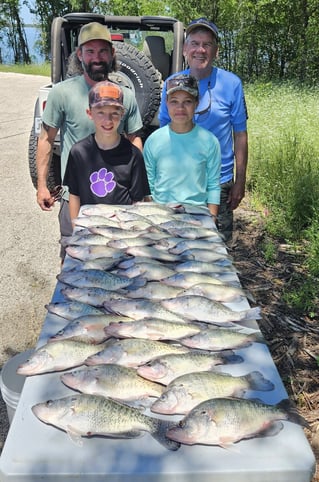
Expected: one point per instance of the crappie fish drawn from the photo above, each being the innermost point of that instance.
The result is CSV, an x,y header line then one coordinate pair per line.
x,y
72,309
166,368
187,391
206,255
88,415
199,308
152,329
177,224
206,243
133,352
58,356
150,208
87,240
88,278
218,292
129,242
85,253
152,252
94,220
190,232
132,261
138,309
221,339
153,290
105,263
225,421
116,232
148,271
114,381
108,210
188,279
203,267
88,329
91,295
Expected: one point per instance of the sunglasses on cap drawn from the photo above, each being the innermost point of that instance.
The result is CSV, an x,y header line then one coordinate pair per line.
x,y
187,81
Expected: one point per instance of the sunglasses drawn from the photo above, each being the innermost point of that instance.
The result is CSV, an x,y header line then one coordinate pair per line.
x,y
189,82
55,195
204,111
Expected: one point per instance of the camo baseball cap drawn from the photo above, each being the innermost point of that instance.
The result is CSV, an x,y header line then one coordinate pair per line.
x,y
94,31
184,82
202,22
106,93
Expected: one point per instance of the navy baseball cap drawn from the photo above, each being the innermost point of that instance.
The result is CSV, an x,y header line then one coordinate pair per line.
x,y
202,22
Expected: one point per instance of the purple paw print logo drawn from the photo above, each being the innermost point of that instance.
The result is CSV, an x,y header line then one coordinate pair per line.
x,y
102,182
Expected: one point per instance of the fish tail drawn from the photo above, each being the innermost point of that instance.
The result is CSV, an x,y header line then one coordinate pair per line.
x,y
253,313
249,296
159,434
292,413
258,382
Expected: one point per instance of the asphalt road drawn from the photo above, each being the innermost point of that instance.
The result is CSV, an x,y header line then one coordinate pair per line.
x,y
29,245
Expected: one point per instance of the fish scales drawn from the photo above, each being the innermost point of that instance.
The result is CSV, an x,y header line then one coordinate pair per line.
x,y
200,308
152,329
57,356
133,352
164,369
185,392
113,381
225,421
89,415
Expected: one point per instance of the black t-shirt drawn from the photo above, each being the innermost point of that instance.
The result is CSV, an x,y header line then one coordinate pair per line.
x,y
114,176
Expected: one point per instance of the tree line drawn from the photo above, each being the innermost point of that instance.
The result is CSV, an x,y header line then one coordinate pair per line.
x,y
259,39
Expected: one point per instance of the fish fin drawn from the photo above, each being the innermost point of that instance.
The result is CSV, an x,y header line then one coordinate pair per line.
x,y
258,382
292,413
228,356
137,282
74,436
159,434
249,296
273,429
253,313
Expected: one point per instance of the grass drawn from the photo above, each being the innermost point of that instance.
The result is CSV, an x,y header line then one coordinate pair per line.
x,y
283,176
283,173
29,69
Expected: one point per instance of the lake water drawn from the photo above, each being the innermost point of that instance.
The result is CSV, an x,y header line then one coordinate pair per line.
x,y
32,35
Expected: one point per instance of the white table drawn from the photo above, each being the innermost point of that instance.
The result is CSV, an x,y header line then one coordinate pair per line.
x,y
35,451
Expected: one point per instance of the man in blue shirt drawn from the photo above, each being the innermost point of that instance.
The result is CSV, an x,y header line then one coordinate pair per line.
x,y
222,110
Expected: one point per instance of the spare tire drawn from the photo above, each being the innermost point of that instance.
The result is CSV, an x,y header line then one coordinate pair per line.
x,y
137,72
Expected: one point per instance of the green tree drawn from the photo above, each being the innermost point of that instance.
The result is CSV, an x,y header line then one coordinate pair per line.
x,y
12,29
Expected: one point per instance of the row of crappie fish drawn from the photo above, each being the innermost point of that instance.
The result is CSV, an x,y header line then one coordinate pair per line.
x,y
147,321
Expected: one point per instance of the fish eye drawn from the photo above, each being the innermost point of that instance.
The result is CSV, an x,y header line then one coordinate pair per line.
x,y
49,403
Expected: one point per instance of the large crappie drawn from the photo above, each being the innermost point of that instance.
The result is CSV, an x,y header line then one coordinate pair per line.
x,y
225,421
185,392
87,415
113,381
164,369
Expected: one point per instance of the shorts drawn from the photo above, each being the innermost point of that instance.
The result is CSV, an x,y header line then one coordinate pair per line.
x,y
225,215
66,229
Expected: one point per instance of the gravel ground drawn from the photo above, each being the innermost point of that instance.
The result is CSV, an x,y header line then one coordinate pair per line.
x,y
29,237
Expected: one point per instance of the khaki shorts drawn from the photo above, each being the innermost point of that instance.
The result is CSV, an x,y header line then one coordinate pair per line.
x,y
66,228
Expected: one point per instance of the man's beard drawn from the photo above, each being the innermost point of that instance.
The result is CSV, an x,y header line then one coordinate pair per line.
x,y
97,74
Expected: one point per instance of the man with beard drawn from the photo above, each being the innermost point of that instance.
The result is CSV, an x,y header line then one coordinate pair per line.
x,y
66,110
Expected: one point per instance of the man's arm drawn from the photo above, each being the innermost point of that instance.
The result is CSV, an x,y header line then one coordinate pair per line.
x,y
136,141
237,192
44,152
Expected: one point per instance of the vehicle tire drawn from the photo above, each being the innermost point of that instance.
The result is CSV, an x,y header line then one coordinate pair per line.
x,y
54,177
56,50
137,72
